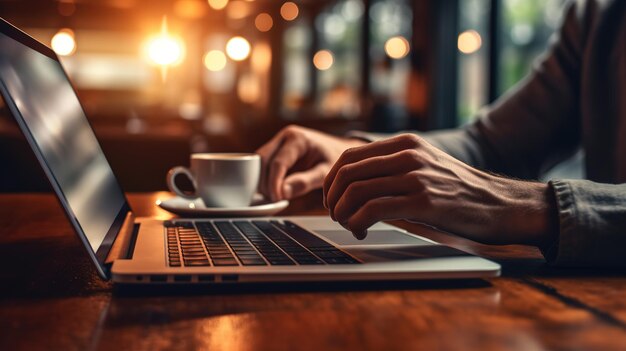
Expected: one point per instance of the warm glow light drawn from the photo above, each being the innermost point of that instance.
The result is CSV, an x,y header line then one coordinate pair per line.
x,y
238,48
249,88
289,11
263,22
238,10
397,47
63,42
218,4
192,9
215,60
261,58
165,49
469,41
323,60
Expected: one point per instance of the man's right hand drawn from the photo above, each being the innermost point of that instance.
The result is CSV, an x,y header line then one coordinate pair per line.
x,y
297,159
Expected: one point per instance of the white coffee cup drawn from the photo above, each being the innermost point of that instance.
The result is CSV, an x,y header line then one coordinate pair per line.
x,y
220,179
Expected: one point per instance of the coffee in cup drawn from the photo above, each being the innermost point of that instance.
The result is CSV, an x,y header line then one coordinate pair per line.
x,y
220,179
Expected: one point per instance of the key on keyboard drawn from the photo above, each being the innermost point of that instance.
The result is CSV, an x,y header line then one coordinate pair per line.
x,y
316,245
242,248
297,252
215,245
184,245
268,249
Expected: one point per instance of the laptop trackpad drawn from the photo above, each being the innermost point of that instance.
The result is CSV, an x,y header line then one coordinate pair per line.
x,y
405,253
374,237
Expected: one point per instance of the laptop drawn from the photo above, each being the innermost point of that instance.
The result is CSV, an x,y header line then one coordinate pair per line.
x,y
130,250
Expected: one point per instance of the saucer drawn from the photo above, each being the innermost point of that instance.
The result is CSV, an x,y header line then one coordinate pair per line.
x,y
196,208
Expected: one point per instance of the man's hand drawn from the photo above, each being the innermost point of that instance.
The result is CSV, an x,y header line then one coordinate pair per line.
x,y
404,177
297,159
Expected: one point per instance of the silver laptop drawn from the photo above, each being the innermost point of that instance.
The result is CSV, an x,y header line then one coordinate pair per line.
x,y
133,250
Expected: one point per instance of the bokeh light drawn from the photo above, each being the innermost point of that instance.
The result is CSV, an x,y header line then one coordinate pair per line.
x,y
63,42
238,48
323,60
289,11
215,60
238,10
261,57
469,42
263,22
165,50
218,4
397,47
249,88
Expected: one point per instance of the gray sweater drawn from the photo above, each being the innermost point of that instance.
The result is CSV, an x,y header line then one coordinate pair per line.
x,y
574,97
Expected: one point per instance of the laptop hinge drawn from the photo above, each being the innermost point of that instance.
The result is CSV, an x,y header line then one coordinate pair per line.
x,y
123,241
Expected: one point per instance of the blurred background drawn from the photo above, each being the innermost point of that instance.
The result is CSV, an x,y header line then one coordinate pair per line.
x,y
160,79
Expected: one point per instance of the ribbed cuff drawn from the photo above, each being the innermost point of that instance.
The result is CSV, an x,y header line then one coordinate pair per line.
x,y
565,249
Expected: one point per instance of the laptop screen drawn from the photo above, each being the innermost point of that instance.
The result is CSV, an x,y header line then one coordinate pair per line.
x,y
40,94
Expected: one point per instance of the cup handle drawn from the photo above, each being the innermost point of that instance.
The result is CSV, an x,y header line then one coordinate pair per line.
x,y
171,182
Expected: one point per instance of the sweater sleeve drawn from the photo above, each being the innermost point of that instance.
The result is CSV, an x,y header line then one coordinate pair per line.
x,y
592,219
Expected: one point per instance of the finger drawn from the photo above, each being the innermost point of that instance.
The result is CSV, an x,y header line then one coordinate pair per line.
x,y
359,193
302,182
378,148
267,152
381,166
292,149
374,211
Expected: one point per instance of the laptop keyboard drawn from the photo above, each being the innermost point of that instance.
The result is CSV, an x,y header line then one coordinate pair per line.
x,y
248,243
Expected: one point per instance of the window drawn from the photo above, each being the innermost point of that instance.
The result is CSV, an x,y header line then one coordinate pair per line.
x,y
526,26
498,42
473,60
346,56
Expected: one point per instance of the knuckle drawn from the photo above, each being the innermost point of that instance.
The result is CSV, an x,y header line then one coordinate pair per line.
x,y
353,151
347,154
411,140
291,130
414,178
343,172
352,191
412,156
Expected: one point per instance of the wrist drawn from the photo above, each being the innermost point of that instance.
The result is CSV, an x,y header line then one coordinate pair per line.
x,y
532,214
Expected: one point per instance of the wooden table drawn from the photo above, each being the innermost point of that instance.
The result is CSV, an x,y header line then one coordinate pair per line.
x,y
52,299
